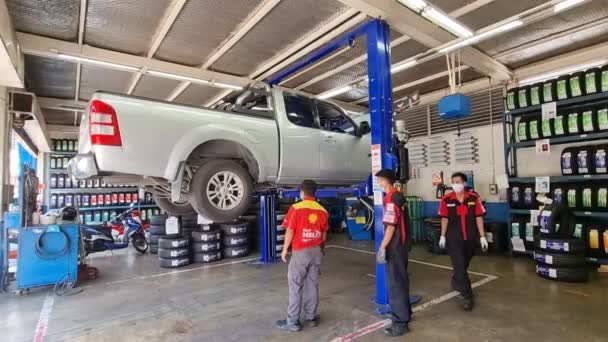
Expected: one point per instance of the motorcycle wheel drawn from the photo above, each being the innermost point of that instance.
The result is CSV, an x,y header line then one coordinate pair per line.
x,y
140,244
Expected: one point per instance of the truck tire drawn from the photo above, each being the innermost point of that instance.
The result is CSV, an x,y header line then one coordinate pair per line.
x,y
175,209
572,275
559,260
174,263
235,252
173,253
153,249
211,236
568,246
206,247
154,239
158,220
207,257
233,229
236,241
166,243
157,230
215,200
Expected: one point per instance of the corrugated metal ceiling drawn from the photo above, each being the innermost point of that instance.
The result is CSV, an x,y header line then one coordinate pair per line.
x,y
94,78
284,26
50,18
60,117
437,84
197,95
122,25
495,12
450,5
155,87
201,27
50,77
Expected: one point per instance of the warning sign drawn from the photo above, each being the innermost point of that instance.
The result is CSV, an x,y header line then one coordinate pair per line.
x,y
376,158
437,178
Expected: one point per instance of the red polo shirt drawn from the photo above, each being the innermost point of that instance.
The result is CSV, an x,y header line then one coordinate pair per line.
x,y
309,220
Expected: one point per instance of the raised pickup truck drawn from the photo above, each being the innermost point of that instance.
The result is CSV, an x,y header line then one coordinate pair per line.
x,y
212,160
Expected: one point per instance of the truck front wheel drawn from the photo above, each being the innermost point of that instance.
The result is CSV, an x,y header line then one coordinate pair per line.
x,y
221,190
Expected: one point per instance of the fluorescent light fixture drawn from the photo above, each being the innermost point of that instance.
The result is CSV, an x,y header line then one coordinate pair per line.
x,y
416,5
193,80
560,72
334,92
564,5
483,35
96,62
403,66
446,22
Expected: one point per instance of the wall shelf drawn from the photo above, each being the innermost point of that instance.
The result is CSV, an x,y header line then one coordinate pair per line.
x,y
561,140
568,103
561,179
590,214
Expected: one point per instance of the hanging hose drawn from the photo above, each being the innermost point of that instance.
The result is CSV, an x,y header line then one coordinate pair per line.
x,y
370,210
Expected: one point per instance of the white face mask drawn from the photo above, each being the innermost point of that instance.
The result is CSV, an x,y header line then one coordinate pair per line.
x,y
458,188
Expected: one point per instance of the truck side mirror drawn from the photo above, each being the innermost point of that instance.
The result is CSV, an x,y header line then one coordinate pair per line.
x,y
364,128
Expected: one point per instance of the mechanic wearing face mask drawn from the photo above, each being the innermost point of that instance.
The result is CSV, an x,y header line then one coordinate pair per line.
x,y
461,214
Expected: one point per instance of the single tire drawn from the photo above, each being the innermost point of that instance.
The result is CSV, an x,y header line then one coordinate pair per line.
x,y
173,253
158,220
187,232
190,220
174,263
235,252
569,246
280,238
573,275
236,241
234,229
153,249
204,247
561,216
207,257
154,239
173,243
559,260
211,236
221,190
281,229
157,230
176,209
140,243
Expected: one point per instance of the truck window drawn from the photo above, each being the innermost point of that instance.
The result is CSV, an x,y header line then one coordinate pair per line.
x,y
332,119
299,111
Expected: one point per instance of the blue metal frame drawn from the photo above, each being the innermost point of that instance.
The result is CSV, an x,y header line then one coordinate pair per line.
x,y
380,104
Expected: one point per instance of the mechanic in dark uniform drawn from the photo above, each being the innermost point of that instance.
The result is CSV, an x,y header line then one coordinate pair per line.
x,y
394,252
461,214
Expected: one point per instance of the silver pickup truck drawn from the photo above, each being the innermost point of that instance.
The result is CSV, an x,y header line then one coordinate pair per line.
x,y
212,160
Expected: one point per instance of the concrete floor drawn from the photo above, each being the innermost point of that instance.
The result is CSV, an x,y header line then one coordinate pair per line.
x,y
135,300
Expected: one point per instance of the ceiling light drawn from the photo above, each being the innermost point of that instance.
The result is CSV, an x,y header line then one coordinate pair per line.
x,y
416,5
483,35
97,62
564,5
193,80
560,72
403,66
334,92
446,22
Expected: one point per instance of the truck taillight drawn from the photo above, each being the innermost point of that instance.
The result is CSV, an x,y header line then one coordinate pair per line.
x,y
103,125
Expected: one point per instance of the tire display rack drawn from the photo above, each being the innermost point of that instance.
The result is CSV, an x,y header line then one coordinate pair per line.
x,y
511,146
48,191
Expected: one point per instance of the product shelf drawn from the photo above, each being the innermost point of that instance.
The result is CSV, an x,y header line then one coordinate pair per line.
x,y
591,214
603,261
91,190
64,154
562,140
573,102
561,179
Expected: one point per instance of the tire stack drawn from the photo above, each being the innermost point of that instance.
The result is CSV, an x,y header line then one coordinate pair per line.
x,y
156,230
235,240
189,224
280,233
173,252
558,254
207,245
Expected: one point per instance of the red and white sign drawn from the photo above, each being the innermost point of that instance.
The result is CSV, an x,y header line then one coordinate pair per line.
x,y
437,178
376,158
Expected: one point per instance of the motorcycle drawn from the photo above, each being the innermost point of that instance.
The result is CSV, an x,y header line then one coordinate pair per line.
x,y
122,229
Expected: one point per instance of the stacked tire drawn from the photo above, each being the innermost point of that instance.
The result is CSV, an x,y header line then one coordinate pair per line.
x,y
189,224
558,254
156,231
173,252
280,233
206,244
235,239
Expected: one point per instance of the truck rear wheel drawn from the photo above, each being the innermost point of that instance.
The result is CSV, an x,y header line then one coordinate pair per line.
x,y
173,208
221,190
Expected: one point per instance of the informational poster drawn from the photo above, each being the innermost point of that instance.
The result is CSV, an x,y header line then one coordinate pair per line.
x,y
534,214
376,166
543,185
543,147
172,225
549,110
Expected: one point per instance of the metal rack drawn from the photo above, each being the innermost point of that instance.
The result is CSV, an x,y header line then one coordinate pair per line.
x,y
511,146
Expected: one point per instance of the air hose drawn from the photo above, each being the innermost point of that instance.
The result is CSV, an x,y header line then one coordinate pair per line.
x,y
43,254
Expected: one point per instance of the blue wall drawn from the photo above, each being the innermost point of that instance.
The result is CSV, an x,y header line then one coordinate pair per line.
x,y
496,211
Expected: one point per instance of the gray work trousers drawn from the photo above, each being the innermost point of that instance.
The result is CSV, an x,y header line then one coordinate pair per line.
x,y
303,276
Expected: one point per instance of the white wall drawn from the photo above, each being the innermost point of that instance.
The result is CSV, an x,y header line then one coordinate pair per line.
x,y
491,163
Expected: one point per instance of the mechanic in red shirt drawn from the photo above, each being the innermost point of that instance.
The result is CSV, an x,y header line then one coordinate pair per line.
x,y
394,252
306,225
461,214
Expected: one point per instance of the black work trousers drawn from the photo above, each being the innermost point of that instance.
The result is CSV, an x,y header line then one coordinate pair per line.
x,y
461,252
398,283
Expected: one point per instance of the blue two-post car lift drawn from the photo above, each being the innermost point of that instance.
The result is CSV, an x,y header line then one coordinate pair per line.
x,y
381,117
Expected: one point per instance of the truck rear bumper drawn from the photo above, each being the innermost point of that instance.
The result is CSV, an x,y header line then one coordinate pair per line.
x,y
83,166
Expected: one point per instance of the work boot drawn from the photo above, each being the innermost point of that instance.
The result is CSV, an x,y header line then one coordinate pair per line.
x,y
289,326
311,323
468,304
396,329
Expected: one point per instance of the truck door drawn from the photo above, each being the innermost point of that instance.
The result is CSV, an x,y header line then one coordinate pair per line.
x,y
299,139
344,154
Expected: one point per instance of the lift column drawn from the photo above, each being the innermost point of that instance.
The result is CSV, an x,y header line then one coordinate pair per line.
x,y
381,116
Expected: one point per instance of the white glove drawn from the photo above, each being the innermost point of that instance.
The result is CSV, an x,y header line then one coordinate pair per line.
x,y
484,243
442,242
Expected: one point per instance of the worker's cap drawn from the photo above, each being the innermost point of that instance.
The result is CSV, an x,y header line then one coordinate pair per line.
x,y
386,174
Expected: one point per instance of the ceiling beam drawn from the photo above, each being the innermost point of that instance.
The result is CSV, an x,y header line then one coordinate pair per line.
x,y
404,20
242,30
168,19
60,104
396,42
48,47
